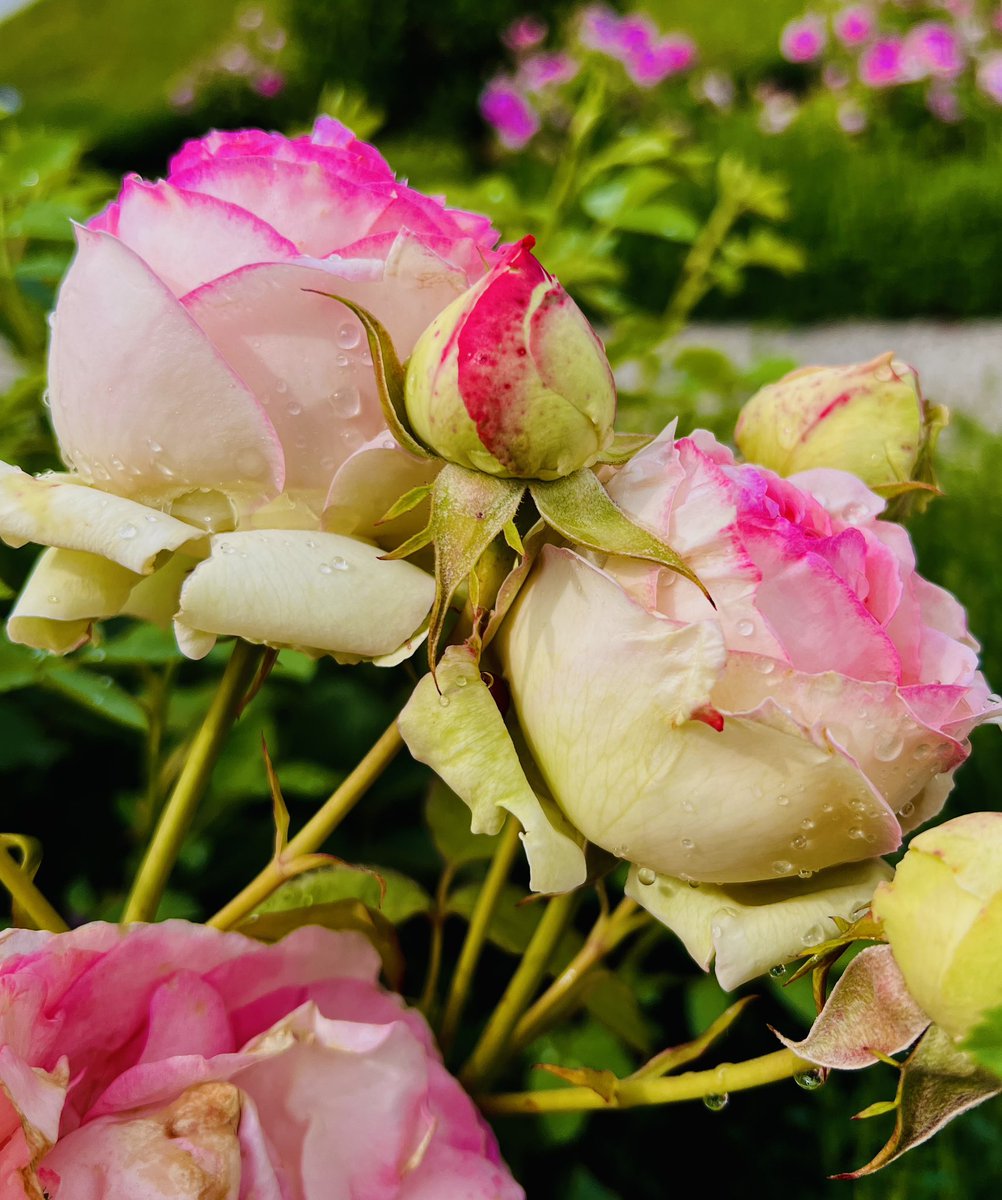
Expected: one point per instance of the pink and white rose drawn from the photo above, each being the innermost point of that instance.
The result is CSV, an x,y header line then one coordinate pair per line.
x,y
174,1062
213,409
751,761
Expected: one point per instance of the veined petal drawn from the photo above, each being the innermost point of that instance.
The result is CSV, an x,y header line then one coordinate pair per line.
x,y
61,511
140,397
68,591
318,592
751,927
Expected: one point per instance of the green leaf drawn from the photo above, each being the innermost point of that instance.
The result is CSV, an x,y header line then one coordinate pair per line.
x,y
468,511
97,693
19,666
612,199
669,222
389,375
389,892
708,367
448,818
512,925
984,1042
580,509
613,1001
141,644
938,1082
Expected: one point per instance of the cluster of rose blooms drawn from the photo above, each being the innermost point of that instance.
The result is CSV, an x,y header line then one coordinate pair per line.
x,y
514,104
946,48
232,470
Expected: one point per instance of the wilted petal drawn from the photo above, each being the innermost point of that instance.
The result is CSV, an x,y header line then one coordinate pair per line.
x,y
318,592
752,927
60,511
456,728
869,1009
139,394
31,1101
67,591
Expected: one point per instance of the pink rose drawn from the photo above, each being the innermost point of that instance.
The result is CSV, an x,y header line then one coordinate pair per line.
x,y
766,750
211,405
803,40
172,1061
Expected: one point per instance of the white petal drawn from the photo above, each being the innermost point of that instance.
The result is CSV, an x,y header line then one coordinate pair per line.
x,y
318,592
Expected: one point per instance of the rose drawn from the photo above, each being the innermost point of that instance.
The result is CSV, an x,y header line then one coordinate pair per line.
x,y
220,418
511,379
766,750
867,418
174,1061
942,914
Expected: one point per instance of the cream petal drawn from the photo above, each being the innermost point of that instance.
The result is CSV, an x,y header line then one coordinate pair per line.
x,y
456,728
318,592
369,482
66,592
61,511
749,928
139,394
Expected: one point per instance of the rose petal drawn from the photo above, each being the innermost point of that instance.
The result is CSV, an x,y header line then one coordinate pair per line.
x,y
368,483
314,591
139,395
749,928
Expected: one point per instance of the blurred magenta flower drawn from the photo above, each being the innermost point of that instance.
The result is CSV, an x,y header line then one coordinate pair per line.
x,y
505,108
990,76
599,28
540,71
933,48
635,41
882,64
269,83
854,25
803,39
944,104
525,33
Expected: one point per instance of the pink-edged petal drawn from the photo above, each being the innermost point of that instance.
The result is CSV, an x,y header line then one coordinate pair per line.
x,y
869,1009
59,510
140,398
840,493
319,592
746,929
186,238
31,1101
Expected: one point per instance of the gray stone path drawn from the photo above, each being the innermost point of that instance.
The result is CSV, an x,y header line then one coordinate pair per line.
x,y
959,364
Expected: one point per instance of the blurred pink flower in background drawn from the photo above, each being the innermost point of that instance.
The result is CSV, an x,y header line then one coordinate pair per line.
x,y
854,25
525,34
803,39
990,76
882,64
942,101
503,106
851,117
933,48
540,71
635,41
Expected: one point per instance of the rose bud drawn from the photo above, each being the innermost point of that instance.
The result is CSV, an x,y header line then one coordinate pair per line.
x,y
867,418
942,914
510,379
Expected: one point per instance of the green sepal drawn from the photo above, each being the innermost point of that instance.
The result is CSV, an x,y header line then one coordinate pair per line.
x,y
580,509
623,448
680,1056
413,544
468,511
389,374
937,1083
408,501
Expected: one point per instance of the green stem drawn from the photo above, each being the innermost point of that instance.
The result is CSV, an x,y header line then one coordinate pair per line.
x,y
609,930
438,916
26,895
315,832
176,818
572,152
493,1047
695,282
476,934
634,1093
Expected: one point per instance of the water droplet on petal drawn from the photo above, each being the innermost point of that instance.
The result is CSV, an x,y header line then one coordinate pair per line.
x,y
349,335
338,563
922,751
646,876
807,824
765,665
716,1102
810,1081
688,844
799,842
814,936
746,628
53,599
326,569
783,801
152,518
804,873
687,806
778,971
346,402
782,866
226,548
888,748
293,408
127,531
856,833
906,809
444,701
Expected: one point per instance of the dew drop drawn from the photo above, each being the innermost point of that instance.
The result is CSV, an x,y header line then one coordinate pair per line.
x,y
746,628
716,1102
127,531
807,824
765,665
152,518
310,544
888,748
226,548
783,801
810,1081
341,359
281,386
621,851
687,806
346,402
349,335
693,883
827,808
782,866
778,971
53,599
922,751
443,701
856,833
993,700
293,408
805,873
646,876
852,514
906,809
688,844
799,842
164,470
327,569
814,936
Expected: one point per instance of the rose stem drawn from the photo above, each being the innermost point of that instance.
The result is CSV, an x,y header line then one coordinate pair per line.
x,y
476,934
607,933
25,894
633,1093
494,1044
177,814
316,830
438,915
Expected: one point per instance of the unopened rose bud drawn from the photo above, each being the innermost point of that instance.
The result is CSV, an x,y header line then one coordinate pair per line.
x,y
867,418
942,914
510,379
